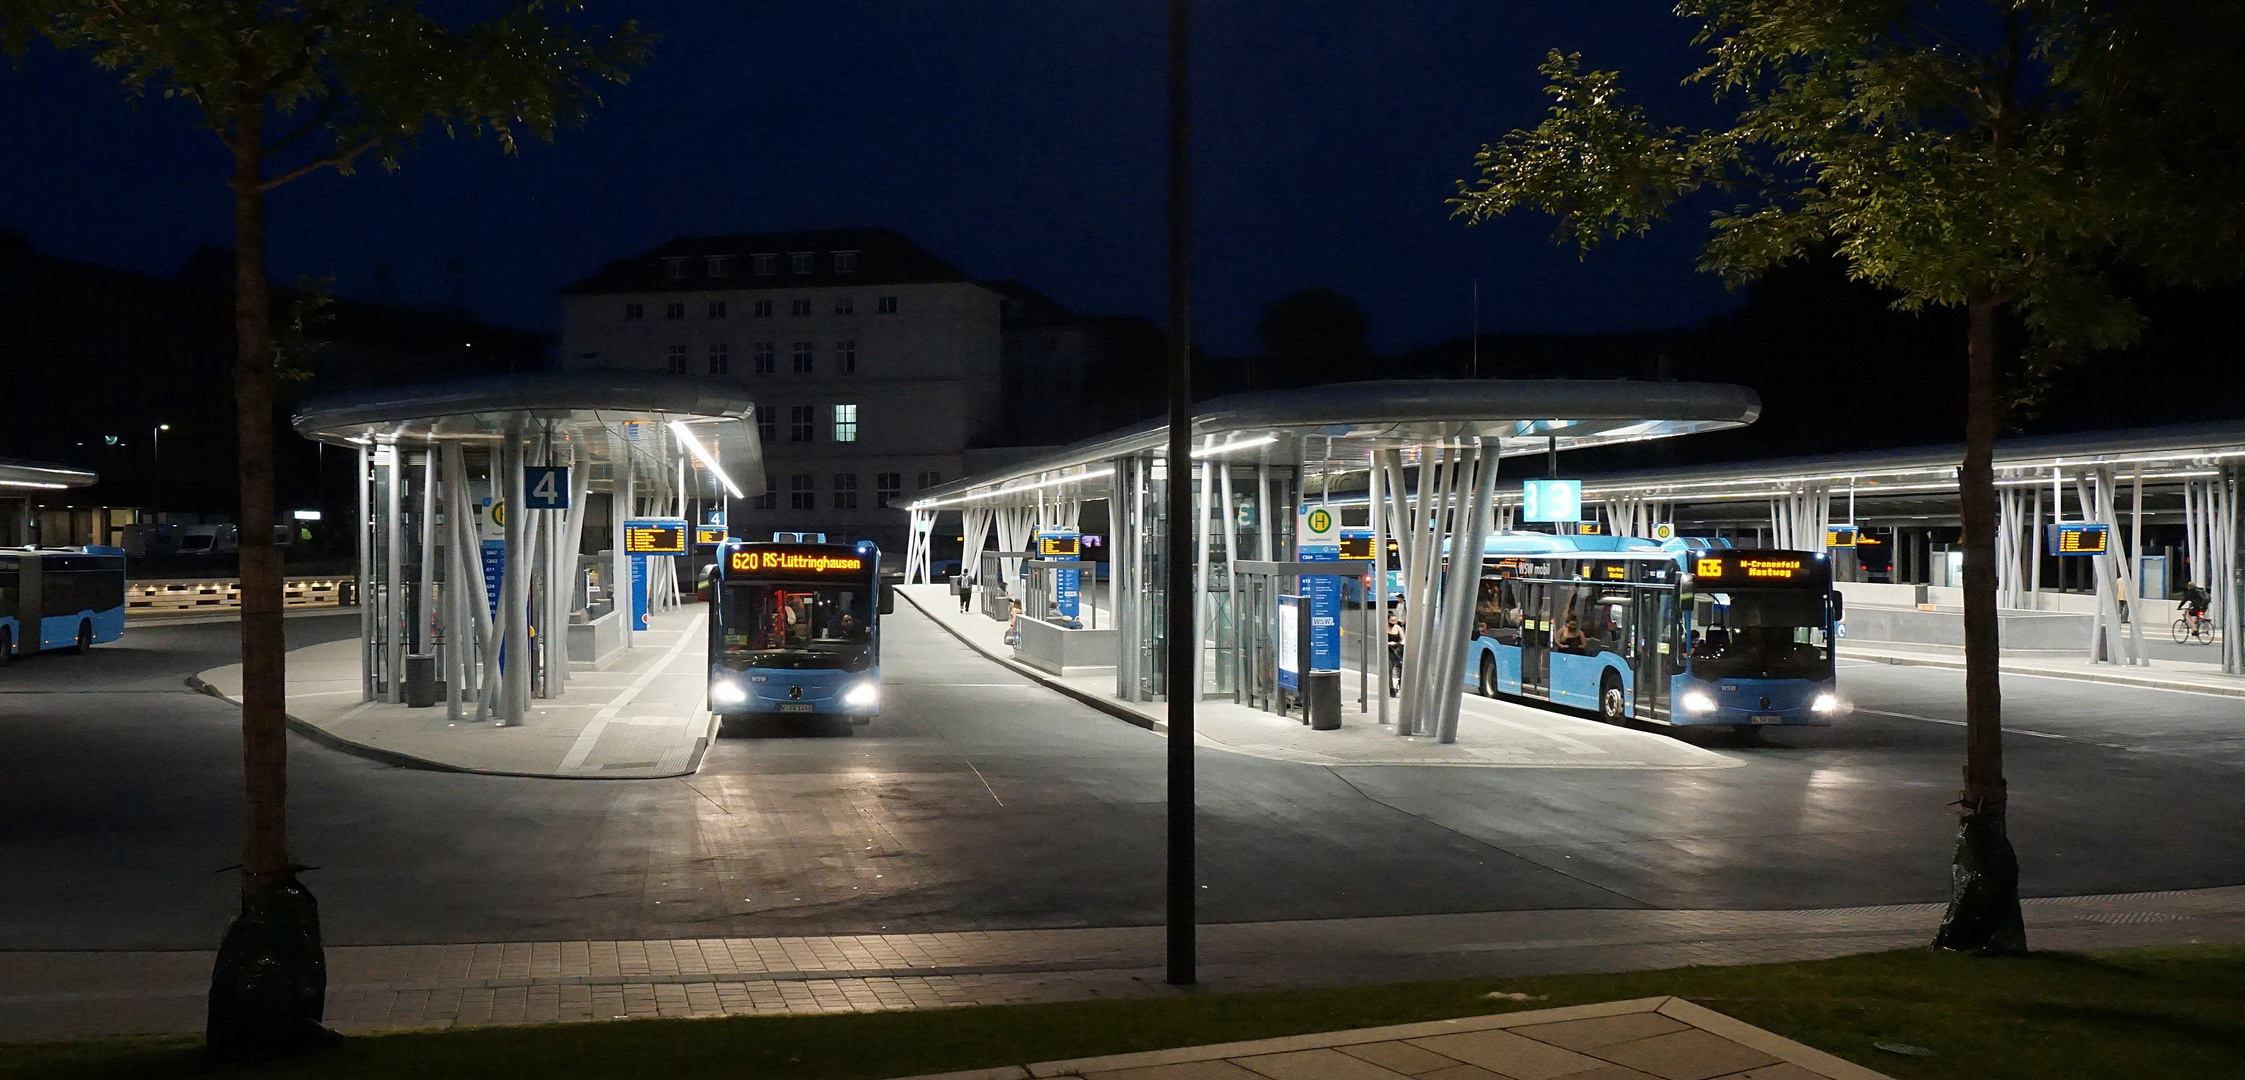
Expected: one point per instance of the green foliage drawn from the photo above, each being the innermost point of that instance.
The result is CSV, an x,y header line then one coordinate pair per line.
x,y
350,77
2024,152
300,339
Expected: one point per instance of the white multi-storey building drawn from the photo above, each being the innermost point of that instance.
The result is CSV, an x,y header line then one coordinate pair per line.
x,y
874,363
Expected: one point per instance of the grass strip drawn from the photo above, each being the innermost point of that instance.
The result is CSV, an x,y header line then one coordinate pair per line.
x,y
2136,1014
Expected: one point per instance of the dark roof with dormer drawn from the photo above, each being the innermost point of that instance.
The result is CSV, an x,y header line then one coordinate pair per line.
x,y
883,258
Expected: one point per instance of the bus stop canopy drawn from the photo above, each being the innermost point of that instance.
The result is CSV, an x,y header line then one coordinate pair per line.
x,y
42,476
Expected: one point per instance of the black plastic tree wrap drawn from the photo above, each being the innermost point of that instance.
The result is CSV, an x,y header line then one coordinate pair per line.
x,y
1983,916
269,990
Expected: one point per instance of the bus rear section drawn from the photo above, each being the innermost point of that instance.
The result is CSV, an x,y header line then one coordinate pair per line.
x,y
1757,644
71,598
795,629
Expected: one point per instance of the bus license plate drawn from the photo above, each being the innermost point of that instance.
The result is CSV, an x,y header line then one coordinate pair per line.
x,y
802,706
1767,719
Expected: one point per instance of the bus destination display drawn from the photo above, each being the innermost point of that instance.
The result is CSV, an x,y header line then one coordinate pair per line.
x,y
794,562
1753,568
656,537
2078,538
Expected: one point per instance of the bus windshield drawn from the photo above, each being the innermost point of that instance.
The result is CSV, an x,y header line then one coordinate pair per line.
x,y
783,625
1760,634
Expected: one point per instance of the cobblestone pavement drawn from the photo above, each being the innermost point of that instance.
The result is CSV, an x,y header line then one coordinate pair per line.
x,y
61,994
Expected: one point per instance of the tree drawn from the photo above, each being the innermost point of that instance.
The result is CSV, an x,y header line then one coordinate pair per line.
x,y
292,87
2008,157
1314,336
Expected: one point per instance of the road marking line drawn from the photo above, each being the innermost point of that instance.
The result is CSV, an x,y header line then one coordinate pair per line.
x,y
1960,723
586,739
986,785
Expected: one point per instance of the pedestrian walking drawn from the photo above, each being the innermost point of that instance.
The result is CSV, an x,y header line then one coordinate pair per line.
x,y
964,584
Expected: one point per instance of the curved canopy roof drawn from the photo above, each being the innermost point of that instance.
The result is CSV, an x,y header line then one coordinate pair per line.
x,y
1339,426
17,475
601,412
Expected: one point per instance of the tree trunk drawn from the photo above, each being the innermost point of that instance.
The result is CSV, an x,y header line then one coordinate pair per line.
x,y
1983,914
269,987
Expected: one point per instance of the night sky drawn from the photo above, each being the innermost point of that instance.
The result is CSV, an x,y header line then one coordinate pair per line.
x,y
1018,139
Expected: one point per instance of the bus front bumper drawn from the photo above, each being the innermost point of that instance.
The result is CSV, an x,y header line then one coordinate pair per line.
x,y
808,693
1757,703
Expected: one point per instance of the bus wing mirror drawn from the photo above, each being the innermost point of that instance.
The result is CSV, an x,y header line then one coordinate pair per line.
x,y
1839,606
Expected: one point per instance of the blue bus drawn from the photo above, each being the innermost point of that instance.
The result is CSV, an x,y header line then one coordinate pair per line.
x,y
1681,633
60,598
794,628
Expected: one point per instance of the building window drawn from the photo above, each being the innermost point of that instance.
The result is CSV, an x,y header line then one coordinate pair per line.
x,y
763,309
720,359
767,423
717,265
799,307
770,499
801,419
845,357
802,261
803,359
675,310
845,262
845,491
767,265
887,486
929,479
845,305
800,494
765,363
717,309
635,311
678,359
887,306
845,423
675,267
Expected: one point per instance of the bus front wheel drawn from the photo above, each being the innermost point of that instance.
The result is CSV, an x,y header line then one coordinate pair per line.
x,y
1613,705
85,638
7,646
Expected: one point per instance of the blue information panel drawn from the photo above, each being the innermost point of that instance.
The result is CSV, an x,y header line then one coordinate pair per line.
x,y
545,487
1318,539
1289,642
1551,500
1067,583
494,571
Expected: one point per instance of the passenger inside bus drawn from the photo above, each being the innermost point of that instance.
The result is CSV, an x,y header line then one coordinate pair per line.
x,y
1570,636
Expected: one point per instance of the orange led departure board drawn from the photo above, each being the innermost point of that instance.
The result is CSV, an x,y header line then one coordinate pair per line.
x,y
1716,569
655,537
794,562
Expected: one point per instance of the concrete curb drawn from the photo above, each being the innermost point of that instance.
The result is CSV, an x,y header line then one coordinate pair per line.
x,y
400,759
1113,708
2116,679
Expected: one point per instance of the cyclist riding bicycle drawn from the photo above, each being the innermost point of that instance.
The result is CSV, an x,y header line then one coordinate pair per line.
x,y
2194,601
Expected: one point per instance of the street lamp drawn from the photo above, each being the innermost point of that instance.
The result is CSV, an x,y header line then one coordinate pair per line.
x,y
156,439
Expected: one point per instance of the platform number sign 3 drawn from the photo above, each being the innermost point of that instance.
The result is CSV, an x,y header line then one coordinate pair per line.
x,y
545,488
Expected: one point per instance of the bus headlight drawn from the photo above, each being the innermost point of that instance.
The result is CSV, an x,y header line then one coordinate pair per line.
x,y
1827,705
1697,701
723,692
864,695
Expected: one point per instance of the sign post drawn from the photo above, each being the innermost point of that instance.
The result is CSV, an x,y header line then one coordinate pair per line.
x,y
1317,538
1067,582
545,487
644,537
1551,501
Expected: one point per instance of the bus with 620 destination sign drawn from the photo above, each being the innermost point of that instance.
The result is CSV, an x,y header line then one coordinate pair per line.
x,y
795,629
1675,633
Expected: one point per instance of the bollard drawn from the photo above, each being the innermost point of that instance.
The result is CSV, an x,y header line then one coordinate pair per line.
x,y
1321,698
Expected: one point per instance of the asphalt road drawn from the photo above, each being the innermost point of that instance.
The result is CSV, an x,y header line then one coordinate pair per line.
x,y
979,800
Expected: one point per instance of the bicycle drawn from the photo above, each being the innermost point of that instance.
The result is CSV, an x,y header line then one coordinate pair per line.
x,y
2194,628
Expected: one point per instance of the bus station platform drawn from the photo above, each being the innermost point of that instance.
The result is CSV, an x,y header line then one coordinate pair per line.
x,y
1492,734
641,717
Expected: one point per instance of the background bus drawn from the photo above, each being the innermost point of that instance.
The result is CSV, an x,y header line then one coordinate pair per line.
x,y
1674,634
56,598
795,629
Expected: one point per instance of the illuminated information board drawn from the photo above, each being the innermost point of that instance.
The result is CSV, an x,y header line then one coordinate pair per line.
x,y
2078,538
795,562
1839,536
1356,547
660,536
709,535
1731,568
1067,546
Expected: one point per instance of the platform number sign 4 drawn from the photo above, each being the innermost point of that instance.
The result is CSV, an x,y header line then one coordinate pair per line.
x,y
545,488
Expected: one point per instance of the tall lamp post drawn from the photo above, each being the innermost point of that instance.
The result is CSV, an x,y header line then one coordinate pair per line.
x,y
1182,640
156,439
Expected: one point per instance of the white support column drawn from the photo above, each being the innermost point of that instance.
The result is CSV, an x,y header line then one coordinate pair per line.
x,y
1465,585
365,481
393,578
1199,682
426,614
1376,643
2138,611
1231,580
514,587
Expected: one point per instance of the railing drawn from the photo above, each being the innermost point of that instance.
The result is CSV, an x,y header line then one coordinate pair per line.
x,y
225,594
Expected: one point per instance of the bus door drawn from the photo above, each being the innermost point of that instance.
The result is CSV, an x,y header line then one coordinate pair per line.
x,y
1535,640
1653,661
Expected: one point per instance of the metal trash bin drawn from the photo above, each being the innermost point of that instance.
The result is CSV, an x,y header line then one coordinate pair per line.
x,y
421,686
1321,699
